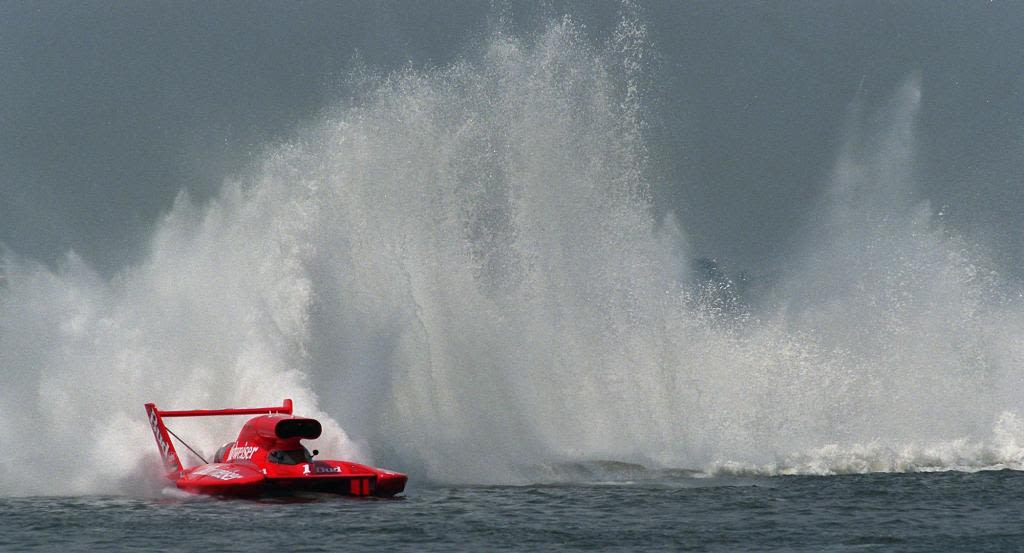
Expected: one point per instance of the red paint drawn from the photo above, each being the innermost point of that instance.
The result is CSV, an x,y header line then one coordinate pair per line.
x,y
268,458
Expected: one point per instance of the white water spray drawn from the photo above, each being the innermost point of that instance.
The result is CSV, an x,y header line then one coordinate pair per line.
x,y
462,271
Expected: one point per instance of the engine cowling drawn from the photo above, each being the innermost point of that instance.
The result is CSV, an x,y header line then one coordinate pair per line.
x,y
222,453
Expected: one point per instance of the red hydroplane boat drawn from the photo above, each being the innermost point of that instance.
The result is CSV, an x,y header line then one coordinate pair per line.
x,y
268,458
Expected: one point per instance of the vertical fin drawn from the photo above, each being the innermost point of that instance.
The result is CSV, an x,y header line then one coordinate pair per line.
x,y
172,465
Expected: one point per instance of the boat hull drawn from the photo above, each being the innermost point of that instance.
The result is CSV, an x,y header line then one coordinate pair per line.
x,y
240,480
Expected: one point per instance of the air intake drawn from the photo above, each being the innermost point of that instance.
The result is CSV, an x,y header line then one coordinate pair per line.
x,y
308,429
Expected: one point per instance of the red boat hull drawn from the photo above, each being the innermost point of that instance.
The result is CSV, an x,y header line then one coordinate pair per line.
x,y
241,480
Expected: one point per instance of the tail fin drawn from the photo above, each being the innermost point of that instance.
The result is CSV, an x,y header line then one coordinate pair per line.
x,y
283,409
172,465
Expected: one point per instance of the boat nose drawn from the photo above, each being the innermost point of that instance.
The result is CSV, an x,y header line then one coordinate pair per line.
x,y
390,483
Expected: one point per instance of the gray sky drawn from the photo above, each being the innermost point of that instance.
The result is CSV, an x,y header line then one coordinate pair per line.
x,y
108,109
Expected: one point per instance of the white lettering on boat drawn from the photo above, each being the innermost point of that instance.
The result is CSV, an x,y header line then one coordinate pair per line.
x,y
217,472
243,453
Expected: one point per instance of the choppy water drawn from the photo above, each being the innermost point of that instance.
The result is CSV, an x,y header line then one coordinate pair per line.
x,y
950,511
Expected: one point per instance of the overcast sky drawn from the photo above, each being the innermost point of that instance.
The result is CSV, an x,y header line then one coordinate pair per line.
x,y
109,109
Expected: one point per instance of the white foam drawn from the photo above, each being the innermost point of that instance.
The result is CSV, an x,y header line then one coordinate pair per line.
x,y
1002,451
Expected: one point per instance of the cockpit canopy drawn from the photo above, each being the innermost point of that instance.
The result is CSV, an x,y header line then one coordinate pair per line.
x,y
290,457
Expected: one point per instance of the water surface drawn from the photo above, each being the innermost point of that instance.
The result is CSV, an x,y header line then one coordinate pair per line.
x,y
950,511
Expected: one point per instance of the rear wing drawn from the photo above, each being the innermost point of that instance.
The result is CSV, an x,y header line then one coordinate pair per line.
x,y
172,464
